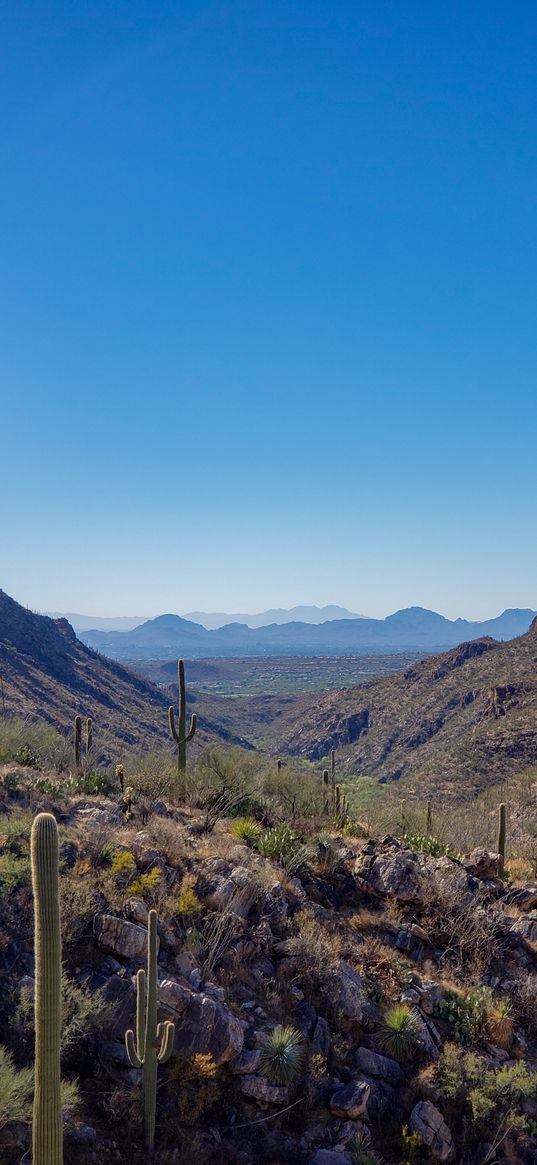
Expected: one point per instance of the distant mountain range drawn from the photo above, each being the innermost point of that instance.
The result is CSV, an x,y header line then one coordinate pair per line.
x,y
211,621
277,615
412,629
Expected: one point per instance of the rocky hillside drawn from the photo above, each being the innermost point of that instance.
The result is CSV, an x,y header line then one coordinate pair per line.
x,y
449,725
404,985
46,672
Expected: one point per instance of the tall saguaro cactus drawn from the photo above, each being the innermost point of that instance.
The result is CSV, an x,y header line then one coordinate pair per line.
x,y
47,1121
502,817
153,1042
89,734
179,732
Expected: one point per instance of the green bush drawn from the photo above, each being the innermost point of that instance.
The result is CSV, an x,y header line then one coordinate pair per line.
x,y
427,843
282,1056
16,1090
398,1033
281,844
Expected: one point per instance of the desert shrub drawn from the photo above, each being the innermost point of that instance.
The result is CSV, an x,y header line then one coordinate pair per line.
x,y
16,1088
468,1015
323,853
315,950
198,1087
152,775
523,998
467,934
47,788
246,829
146,885
187,902
169,838
14,871
123,866
282,1055
78,906
493,1096
411,1144
83,1014
361,1154
398,1032
31,743
15,829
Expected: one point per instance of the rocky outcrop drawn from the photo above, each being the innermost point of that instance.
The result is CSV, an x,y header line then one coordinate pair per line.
x,y
207,1026
350,1100
124,940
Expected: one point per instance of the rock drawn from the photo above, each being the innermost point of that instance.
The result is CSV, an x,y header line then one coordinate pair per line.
x,y
525,897
429,1124
350,1100
373,1064
428,1037
344,989
92,818
174,996
275,907
119,994
482,864
208,1027
260,1089
526,927
320,1040
115,936
136,911
351,1129
330,1157
247,1063
394,873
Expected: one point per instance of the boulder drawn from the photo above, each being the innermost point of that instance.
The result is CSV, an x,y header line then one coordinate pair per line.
x,y
208,1027
392,873
136,911
320,1040
247,1063
260,1089
118,993
350,1100
175,997
482,864
382,1067
116,936
429,1124
526,927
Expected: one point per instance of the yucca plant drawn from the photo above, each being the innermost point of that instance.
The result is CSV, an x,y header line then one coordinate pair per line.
x,y
398,1033
246,829
282,1056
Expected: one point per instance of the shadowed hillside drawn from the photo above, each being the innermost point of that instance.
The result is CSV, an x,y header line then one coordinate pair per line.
x,y
46,672
453,723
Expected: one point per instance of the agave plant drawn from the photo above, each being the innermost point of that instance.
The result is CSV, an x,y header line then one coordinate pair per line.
x,y
283,1055
398,1034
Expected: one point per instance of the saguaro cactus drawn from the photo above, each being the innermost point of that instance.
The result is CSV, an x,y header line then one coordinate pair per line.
x,y
501,835
78,741
153,1042
47,1122
89,734
325,790
179,732
333,778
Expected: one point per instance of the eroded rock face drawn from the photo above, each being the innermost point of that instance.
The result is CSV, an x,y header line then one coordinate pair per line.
x,y
124,940
526,927
392,871
429,1124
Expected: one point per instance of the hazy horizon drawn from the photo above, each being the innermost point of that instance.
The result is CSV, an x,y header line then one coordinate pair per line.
x,y
269,294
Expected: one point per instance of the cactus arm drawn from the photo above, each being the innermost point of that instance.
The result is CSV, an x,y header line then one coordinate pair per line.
x,y
78,740
140,1013
47,1122
134,1059
171,722
165,1038
193,726
89,734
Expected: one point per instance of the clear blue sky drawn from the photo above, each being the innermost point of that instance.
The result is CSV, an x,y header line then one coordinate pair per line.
x,y
269,304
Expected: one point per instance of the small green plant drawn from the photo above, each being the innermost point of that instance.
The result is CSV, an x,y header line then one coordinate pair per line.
x,y
468,1015
398,1033
246,829
283,845
361,1154
27,757
427,843
411,1144
96,783
282,1056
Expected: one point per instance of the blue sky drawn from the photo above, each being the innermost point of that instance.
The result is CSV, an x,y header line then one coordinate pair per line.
x,y
268,285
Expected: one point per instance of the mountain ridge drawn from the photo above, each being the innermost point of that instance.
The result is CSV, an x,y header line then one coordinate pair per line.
x,y
411,628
